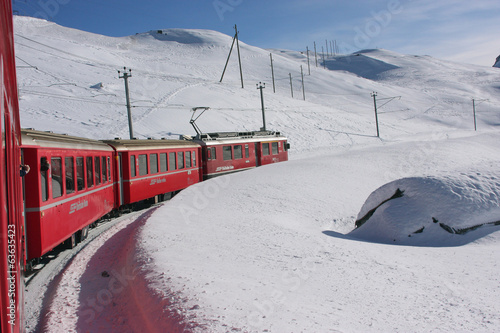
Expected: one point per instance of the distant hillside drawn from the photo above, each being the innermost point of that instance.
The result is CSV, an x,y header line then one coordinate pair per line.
x,y
68,79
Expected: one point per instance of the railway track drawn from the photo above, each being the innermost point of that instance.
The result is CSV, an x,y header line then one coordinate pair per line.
x,y
44,278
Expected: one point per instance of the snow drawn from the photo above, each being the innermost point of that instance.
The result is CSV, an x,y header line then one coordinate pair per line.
x,y
275,249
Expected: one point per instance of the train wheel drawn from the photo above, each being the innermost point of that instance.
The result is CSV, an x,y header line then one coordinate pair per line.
x,y
29,266
70,243
82,234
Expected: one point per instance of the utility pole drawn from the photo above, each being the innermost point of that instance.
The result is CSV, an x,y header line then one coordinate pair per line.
x,y
235,38
291,84
272,72
474,112
324,59
315,54
326,41
474,109
125,76
308,65
239,57
261,86
374,95
303,88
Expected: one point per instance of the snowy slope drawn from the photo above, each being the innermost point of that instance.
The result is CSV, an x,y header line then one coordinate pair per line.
x,y
274,249
280,259
180,69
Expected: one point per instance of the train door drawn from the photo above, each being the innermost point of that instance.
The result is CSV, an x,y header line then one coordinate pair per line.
x,y
120,180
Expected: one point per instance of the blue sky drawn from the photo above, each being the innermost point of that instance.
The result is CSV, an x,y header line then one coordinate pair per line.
x,y
464,31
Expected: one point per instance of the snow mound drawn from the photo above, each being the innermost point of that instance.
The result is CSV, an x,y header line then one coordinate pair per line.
x,y
431,211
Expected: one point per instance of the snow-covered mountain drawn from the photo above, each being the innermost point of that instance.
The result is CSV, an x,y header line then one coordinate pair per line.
x,y
275,249
174,70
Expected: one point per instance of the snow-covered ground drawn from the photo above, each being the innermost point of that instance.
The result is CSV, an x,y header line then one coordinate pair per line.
x,y
275,249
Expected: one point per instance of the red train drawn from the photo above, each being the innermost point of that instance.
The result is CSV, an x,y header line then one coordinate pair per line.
x,y
11,219
75,181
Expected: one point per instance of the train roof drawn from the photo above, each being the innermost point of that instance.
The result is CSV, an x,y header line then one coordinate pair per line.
x,y
235,137
121,145
31,137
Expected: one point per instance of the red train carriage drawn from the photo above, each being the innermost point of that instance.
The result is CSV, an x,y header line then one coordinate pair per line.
x,y
69,187
11,220
151,168
236,151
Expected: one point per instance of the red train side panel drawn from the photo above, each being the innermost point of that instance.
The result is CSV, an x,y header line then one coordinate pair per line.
x,y
70,186
147,168
272,150
11,221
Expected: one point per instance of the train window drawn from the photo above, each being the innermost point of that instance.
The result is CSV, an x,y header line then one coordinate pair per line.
x,y
238,152
163,162
79,174
180,160
143,165
70,175
188,159
227,153
90,174
194,158
153,162
109,170
214,157
103,170
44,178
247,152
172,164
56,172
275,148
97,170
132,166
265,149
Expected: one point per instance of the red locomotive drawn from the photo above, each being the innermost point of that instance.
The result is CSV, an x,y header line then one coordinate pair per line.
x,y
235,151
11,220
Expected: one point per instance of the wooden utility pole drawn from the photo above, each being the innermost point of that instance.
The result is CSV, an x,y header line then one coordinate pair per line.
x,y
303,88
374,95
315,54
324,59
125,76
235,38
272,72
474,109
261,86
474,112
308,64
291,84
239,56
